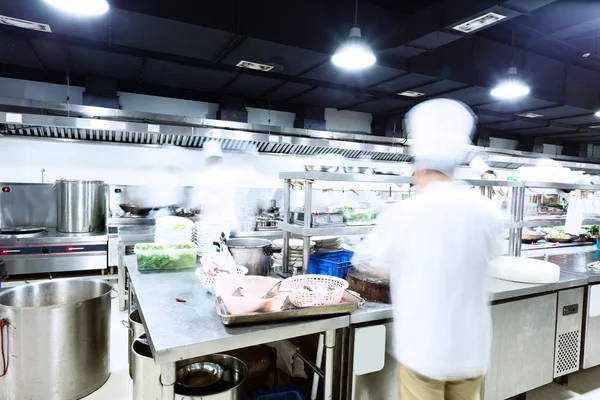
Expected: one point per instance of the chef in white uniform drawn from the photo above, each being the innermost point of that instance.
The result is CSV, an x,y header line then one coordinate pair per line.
x,y
442,323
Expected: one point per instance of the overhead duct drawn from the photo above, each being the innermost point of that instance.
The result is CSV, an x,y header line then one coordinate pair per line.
x,y
101,92
94,124
232,108
308,117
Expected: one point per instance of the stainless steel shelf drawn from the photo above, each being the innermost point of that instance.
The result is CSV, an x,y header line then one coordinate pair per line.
x,y
343,177
338,230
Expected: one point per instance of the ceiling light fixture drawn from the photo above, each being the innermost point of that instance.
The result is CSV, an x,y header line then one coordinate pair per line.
x,y
597,114
355,54
411,93
512,87
586,55
530,115
81,7
480,22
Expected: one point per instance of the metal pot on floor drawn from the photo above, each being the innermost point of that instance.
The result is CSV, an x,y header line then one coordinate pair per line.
x,y
58,339
212,377
146,374
254,254
136,329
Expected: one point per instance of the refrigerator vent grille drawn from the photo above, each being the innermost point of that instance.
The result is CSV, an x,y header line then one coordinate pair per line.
x,y
567,358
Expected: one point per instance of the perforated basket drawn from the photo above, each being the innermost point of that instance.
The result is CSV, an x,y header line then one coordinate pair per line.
x,y
209,280
302,297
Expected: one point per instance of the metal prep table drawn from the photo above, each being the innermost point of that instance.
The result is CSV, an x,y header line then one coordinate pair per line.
x,y
129,236
513,305
178,331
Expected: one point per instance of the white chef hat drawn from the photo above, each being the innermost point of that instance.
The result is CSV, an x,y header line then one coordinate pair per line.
x,y
440,130
212,150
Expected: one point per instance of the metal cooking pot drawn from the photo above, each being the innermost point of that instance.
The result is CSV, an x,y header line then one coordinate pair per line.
x,y
232,385
136,329
80,206
146,374
58,339
253,254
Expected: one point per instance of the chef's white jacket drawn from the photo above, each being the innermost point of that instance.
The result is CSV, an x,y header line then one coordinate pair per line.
x,y
437,246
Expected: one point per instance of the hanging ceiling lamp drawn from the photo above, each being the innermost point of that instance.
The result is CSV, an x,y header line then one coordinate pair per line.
x,y
355,54
512,87
81,7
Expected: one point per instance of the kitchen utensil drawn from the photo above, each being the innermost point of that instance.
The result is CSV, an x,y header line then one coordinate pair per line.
x,y
253,254
136,329
273,291
359,170
199,377
146,374
232,385
301,296
75,316
136,210
321,168
80,206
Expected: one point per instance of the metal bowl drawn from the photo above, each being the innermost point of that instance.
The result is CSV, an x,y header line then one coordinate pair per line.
x,y
204,376
359,170
321,168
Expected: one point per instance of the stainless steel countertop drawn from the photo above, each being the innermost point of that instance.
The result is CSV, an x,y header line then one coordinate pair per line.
x,y
499,290
177,331
51,236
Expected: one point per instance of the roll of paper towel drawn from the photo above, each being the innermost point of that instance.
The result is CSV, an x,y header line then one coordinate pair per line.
x,y
526,270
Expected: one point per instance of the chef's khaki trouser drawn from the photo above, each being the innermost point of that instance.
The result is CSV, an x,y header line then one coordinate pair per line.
x,y
417,387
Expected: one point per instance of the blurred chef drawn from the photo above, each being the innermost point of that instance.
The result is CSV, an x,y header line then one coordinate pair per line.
x,y
442,323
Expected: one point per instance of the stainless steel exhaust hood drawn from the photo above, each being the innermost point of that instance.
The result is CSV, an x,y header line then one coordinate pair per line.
x,y
36,119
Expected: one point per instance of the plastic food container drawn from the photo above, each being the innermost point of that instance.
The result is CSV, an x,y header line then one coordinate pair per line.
x,y
157,257
335,263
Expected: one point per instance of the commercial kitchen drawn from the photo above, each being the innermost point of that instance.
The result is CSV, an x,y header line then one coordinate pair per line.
x,y
183,185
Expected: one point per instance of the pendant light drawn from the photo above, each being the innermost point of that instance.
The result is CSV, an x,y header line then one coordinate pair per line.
x,y
512,87
355,54
597,113
81,7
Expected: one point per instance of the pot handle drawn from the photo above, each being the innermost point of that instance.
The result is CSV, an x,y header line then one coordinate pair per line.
x,y
114,293
270,250
126,325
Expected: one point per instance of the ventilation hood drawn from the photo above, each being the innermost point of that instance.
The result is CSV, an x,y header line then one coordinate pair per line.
x,y
49,120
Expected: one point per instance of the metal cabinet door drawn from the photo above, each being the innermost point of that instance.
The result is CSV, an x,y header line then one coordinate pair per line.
x,y
591,349
380,385
522,346
569,315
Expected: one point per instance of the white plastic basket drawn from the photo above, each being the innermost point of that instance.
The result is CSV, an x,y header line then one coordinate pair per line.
x,y
302,297
209,280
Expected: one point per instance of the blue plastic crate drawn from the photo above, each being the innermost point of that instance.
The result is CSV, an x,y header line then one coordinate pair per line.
x,y
289,393
336,263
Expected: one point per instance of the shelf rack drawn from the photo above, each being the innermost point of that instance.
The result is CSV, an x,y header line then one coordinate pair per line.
x,y
515,225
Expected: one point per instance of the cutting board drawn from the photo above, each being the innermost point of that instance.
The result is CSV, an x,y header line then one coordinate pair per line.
x,y
526,270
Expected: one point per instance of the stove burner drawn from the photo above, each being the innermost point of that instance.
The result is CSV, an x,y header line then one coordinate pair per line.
x,y
22,230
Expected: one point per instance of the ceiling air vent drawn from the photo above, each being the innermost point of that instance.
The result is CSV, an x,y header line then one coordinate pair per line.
x,y
410,93
254,66
22,23
530,115
479,22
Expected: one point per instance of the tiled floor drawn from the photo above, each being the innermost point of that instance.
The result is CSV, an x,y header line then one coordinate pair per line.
x,y
119,386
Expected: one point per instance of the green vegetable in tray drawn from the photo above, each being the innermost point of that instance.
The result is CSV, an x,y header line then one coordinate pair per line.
x,y
166,261
163,247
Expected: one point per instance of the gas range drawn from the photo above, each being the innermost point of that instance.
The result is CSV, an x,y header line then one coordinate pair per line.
x,y
52,251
